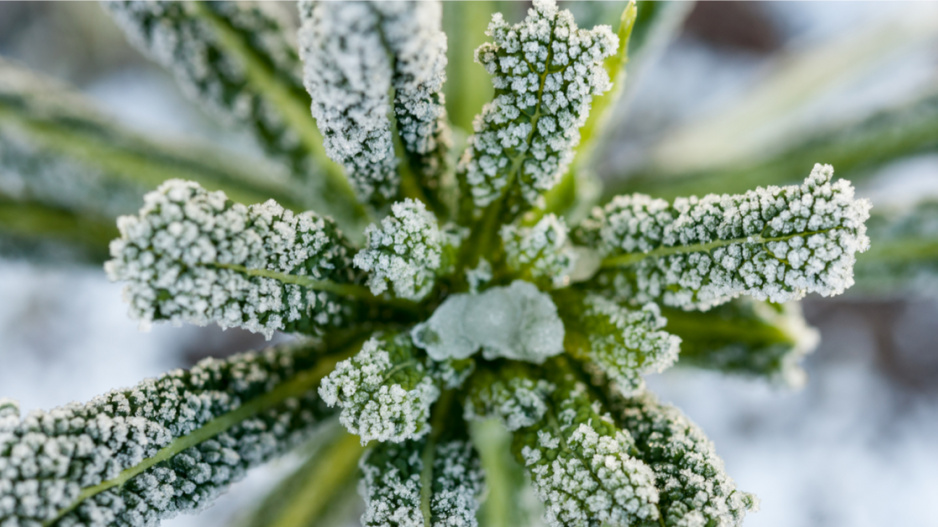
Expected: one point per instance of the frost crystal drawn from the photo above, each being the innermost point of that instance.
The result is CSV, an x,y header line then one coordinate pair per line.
x,y
581,464
620,343
514,322
385,391
49,458
357,57
188,39
392,485
509,392
540,253
773,243
693,486
408,250
195,256
545,71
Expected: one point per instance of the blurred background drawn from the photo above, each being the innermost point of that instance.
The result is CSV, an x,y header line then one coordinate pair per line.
x,y
726,87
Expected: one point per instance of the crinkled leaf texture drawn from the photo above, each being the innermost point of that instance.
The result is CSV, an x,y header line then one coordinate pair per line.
x,y
168,445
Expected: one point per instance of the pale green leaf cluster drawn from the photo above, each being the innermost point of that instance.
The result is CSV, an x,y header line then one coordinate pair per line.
x,y
510,393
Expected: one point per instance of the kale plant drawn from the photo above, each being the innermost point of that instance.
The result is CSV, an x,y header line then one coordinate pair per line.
x,y
468,306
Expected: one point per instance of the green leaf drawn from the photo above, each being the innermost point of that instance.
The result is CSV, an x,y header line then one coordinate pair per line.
x,y
773,243
57,149
746,337
693,486
46,234
903,257
195,256
310,496
238,61
168,445
581,463
856,148
510,500
436,480
616,342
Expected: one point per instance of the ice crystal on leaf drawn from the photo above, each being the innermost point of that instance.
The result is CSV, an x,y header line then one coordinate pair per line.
x,y
407,250
467,299
385,391
545,71
618,342
195,256
540,253
364,63
514,322
693,487
393,484
582,464
773,243
61,466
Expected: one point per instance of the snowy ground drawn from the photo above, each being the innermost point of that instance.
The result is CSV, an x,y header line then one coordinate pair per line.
x,y
857,447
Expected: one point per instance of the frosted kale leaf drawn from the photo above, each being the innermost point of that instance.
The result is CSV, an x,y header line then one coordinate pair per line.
x,y
545,71
375,71
195,256
582,465
195,41
168,445
620,343
514,322
509,392
407,250
693,486
746,337
540,253
402,483
385,391
773,243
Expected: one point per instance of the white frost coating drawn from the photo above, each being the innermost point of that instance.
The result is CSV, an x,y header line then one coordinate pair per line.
x,y
513,397
180,37
624,344
406,250
392,488
356,54
541,251
479,276
172,256
694,487
384,391
514,322
545,71
582,466
773,243
50,457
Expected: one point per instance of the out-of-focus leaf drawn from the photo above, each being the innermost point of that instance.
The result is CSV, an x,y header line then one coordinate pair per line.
x,y
903,255
855,149
745,337
313,495
239,61
42,233
55,148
